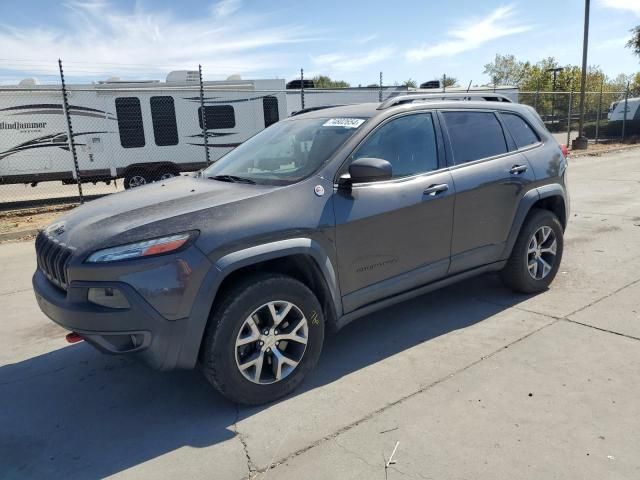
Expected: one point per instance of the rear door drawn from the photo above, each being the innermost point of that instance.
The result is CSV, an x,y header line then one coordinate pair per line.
x,y
490,177
395,235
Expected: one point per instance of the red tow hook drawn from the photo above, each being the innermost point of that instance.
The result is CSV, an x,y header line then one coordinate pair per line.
x,y
73,337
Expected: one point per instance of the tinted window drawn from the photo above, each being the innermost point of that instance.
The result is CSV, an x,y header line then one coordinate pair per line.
x,y
130,122
218,116
474,135
408,143
270,110
163,116
520,130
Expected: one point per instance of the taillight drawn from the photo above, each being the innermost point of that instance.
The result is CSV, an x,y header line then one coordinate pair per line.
x,y
565,150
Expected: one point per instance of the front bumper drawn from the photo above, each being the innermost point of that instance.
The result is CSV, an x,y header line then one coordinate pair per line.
x,y
139,330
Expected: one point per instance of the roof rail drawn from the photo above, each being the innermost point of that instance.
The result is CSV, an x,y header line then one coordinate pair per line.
x,y
434,97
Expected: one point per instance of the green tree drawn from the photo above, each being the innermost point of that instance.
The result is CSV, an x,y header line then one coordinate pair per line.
x,y
634,41
323,81
450,81
506,70
409,83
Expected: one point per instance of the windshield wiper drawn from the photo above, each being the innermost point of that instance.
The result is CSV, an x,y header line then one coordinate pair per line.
x,y
233,179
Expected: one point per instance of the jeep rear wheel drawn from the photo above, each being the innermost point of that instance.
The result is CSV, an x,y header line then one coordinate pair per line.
x,y
536,255
262,339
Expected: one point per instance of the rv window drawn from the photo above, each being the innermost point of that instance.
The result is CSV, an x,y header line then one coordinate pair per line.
x,y
163,116
218,116
270,109
130,122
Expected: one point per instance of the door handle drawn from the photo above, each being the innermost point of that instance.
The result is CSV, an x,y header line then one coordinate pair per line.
x,y
518,169
434,190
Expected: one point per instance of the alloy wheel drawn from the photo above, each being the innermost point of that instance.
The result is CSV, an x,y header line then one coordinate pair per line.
x,y
271,342
137,181
541,252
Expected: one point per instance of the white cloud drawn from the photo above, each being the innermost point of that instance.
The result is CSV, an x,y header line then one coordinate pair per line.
x,y
471,35
225,8
627,5
98,40
351,62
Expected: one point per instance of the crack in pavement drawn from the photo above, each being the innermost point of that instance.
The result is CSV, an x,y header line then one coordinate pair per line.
x,y
250,465
601,329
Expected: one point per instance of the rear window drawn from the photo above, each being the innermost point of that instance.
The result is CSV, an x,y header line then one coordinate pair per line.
x,y
520,130
474,135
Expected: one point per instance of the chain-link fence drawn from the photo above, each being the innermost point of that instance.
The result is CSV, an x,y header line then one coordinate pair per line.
x,y
604,114
64,142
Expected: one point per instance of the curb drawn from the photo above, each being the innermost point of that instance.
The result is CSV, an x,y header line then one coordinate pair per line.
x,y
587,153
4,237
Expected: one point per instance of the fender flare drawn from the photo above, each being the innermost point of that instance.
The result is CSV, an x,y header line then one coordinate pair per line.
x,y
526,202
231,262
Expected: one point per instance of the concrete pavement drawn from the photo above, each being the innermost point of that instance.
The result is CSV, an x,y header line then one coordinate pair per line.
x,y
473,381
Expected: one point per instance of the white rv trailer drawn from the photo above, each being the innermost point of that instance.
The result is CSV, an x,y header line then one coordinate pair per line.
x,y
140,131
617,111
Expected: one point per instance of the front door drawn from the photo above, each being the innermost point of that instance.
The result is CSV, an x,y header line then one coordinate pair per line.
x,y
395,235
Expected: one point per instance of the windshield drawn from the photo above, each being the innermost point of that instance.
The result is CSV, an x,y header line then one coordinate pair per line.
x,y
286,152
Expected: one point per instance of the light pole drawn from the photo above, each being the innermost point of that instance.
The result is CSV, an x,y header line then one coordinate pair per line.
x,y
581,142
553,95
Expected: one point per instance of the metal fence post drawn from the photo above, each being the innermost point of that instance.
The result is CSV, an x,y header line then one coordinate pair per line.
x,y
72,145
380,89
599,110
535,101
626,106
203,119
302,89
569,116
444,83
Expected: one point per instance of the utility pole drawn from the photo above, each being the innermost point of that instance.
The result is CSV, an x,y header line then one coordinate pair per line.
x,y
555,72
581,142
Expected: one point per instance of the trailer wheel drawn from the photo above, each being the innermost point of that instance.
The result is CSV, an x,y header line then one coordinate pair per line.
x,y
136,179
165,173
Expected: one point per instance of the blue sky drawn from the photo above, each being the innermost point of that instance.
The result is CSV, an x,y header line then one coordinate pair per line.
x,y
350,40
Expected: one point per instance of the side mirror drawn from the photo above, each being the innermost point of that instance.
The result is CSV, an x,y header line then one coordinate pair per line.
x,y
369,170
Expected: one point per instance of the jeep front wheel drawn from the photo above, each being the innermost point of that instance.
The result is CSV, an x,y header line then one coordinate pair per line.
x,y
262,339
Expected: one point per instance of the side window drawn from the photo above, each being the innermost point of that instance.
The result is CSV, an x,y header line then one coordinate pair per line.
x,y
474,135
270,110
130,122
163,116
520,130
218,116
408,143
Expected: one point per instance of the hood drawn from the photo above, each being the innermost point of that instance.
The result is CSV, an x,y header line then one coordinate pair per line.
x,y
148,211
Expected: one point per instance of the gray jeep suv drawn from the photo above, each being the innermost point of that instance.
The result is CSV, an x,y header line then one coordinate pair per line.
x,y
317,220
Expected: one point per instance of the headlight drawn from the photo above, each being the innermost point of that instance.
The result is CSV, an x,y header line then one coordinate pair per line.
x,y
146,248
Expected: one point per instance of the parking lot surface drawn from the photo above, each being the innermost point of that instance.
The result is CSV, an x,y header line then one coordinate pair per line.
x,y
473,381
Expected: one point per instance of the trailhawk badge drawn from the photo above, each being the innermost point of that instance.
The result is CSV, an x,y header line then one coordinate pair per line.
x,y
319,189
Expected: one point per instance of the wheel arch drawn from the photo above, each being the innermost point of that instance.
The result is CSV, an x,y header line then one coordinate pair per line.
x,y
548,197
302,259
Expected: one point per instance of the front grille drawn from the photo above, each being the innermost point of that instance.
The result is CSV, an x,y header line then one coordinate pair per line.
x,y
52,259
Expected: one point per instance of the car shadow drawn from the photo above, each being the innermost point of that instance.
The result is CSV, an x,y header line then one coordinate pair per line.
x,y
76,413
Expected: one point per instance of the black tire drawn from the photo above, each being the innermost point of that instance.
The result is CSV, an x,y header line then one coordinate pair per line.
x,y
137,178
165,173
218,352
516,274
